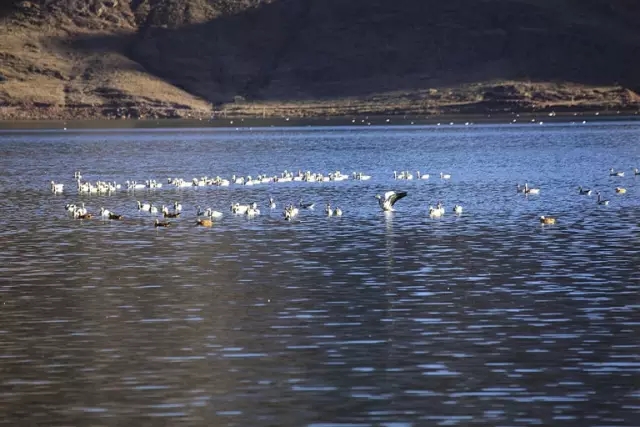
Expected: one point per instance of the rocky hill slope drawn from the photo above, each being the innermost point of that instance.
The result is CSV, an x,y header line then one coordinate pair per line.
x,y
189,58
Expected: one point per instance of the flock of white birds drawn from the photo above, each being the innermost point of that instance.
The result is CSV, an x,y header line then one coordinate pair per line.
x,y
206,216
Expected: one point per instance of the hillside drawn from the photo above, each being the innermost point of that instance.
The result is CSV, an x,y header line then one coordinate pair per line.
x,y
187,58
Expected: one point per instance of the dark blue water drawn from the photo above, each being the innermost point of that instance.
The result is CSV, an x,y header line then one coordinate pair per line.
x,y
393,319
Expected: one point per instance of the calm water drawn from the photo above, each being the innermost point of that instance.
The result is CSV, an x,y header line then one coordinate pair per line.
x,y
368,319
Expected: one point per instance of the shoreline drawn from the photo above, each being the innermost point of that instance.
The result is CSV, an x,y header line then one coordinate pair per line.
x,y
351,120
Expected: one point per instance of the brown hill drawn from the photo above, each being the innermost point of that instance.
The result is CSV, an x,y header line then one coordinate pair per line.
x,y
178,58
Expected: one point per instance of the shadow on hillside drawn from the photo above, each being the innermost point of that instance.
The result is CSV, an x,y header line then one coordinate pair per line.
x,y
8,7
314,49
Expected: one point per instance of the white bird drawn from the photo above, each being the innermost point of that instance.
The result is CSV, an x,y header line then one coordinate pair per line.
x,y
457,209
57,188
80,210
104,212
290,212
153,209
337,212
328,210
425,176
143,206
528,190
445,175
272,204
177,206
437,211
390,198
615,173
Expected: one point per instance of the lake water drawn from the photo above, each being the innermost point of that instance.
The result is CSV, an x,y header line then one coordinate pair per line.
x,y
394,319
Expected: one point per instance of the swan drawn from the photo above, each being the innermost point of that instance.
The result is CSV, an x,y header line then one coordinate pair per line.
x,y
104,212
457,209
153,209
80,210
143,206
328,210
636,172
390,198
445,176
167,214
528,190
57,188
290,212
435,212
272,204
337,212
177,206
425,176
252,211
615,173
237,208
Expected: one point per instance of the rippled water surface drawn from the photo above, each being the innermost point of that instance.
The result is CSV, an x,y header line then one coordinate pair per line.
x,y
485,318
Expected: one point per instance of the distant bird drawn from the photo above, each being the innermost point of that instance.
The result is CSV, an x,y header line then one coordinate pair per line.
x,y
529,190
206,222
547,220
457,209
56,188
306,205
290,212
161,224
636,172
337,211
615,173
602,201
584,191
445,175
272,203
167,214
328,210
115,216
621,190
177,206
390,198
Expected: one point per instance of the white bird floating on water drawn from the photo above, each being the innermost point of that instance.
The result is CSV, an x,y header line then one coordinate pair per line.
x,y
390,198
529,190
457,209
56,188
615,173
290,212
445,175
438,211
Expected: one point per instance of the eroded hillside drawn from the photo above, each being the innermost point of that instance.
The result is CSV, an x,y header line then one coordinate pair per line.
x,y
180,58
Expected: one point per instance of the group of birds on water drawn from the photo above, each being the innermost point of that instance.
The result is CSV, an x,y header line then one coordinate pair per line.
x,y
207,216
548,220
